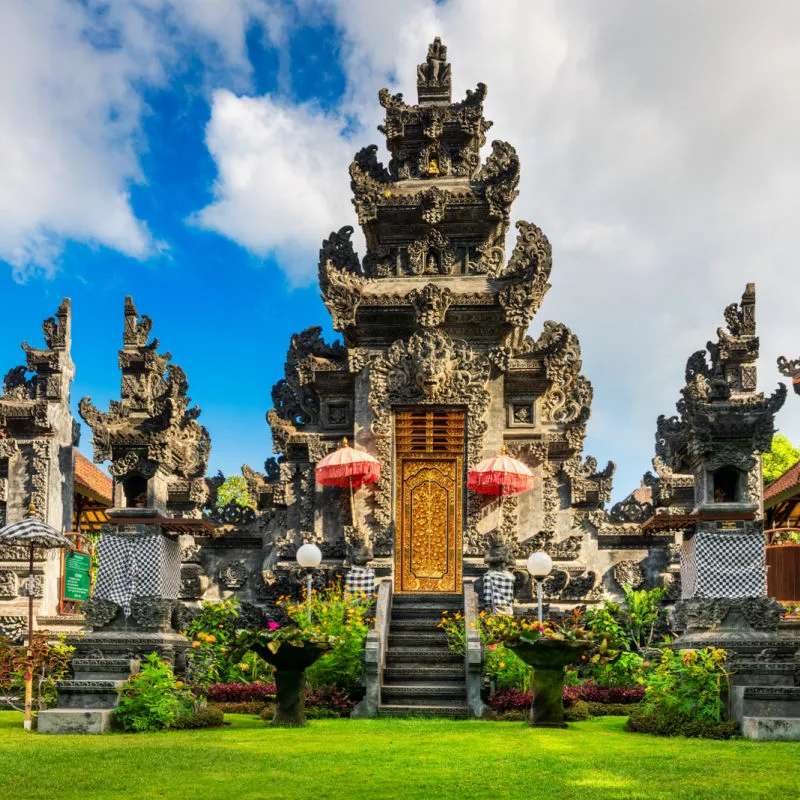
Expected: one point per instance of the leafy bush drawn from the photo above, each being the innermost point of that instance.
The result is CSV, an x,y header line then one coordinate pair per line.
x,y
209,717
336,615
153,699
217,655
632,625
671,723
249,707
685,695
49,663
240,692
610,709
510,700
593,693
577,712
502,667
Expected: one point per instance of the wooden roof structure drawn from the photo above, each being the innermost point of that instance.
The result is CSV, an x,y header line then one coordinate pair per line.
x,y
93,496
782,500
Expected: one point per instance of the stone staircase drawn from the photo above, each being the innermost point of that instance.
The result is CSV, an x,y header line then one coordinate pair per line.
x,y
422,676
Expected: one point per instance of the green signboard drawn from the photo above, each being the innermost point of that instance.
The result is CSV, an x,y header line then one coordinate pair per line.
x,y
77,582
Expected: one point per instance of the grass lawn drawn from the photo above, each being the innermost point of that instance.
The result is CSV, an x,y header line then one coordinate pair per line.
x,y
392,758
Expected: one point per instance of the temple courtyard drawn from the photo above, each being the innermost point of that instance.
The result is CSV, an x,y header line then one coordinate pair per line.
x,y
393,758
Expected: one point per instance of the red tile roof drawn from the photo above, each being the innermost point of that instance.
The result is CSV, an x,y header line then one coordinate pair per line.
x,y
783,483
92,480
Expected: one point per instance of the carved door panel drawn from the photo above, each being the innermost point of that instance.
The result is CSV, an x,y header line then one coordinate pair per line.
x,y
429,510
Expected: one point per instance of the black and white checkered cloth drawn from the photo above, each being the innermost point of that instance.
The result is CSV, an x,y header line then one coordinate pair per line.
x,y
133,565
360,579
498,591
728,564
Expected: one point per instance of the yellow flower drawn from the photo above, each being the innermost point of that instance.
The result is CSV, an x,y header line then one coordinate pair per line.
x,y
179,684
196,644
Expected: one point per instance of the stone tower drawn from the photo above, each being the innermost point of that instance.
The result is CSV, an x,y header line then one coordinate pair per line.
x,y
436,371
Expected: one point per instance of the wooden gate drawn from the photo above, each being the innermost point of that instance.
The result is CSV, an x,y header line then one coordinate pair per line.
x,y
430,489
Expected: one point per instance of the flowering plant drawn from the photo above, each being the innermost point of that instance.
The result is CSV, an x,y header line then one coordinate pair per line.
x,y
47,662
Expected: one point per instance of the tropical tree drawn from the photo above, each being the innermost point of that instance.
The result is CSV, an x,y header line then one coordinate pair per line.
x,y
782,455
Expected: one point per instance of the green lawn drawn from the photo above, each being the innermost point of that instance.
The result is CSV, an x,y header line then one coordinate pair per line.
x,y
394,758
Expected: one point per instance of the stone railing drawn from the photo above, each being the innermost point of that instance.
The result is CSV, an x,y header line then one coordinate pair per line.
x,y
473,654
375,654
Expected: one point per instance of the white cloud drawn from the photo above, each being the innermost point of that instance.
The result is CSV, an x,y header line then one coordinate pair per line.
x,y
282,184
71,81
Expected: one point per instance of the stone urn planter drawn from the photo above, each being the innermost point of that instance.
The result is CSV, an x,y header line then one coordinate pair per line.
x,y
547,658
291,663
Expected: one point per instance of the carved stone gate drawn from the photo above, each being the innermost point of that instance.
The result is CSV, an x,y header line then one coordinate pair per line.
x,y
430,499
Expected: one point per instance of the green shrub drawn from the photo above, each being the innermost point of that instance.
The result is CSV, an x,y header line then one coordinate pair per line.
x,y
153,699
671,723
249,707
345,616
217,656
577,712
50,662
610,709
209,717
689,685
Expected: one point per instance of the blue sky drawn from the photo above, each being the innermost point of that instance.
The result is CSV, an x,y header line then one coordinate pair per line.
x,y
194,155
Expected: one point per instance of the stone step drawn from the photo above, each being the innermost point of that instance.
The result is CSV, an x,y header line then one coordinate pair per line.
x,y
768,701
771,728
421,611
89,693
422,655
452,712
437,639
89,669
449,601
418,672
412,625
424,694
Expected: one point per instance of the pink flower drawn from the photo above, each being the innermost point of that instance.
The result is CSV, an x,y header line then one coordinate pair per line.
x,y
273,626
491,646
541,629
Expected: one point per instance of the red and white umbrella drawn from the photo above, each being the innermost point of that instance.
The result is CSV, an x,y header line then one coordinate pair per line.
x,y
500,475
348,467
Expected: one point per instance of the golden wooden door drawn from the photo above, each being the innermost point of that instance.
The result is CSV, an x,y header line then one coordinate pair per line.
x,y
429,509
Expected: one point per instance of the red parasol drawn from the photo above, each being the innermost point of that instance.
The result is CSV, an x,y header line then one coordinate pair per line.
x,y
500,475
348,467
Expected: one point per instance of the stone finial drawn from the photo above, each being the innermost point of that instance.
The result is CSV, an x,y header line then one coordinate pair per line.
x,y
433,76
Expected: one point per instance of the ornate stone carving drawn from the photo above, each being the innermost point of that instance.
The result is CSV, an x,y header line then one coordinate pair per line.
x,y
194,582
430,368
761,613
233,575
431,255
8,584
630,573
152,613
630,510
154,421
99,613
431,304
500,176
13,627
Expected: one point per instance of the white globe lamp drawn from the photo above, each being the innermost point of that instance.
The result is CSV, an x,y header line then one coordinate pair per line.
x,y
539,565
309,557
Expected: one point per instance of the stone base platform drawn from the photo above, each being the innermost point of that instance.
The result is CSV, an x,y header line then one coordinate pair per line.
x,y
771,728
74,720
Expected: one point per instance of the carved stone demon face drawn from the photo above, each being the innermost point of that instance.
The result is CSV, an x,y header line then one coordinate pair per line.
x,y
434,365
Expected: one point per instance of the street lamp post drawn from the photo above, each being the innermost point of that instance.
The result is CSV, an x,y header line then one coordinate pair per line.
x,y
309,557
539,566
